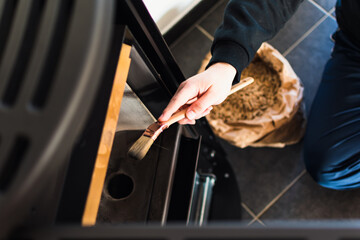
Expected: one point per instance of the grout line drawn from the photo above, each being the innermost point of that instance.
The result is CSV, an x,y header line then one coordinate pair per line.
x,y
307,33
206,33
247,209
254,221
196,23
320,7
182,36
331,12
278,197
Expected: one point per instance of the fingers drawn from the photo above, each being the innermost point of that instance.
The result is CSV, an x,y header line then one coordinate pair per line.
x,y
187,121
190,101
181,97
197,109
192,122
207,111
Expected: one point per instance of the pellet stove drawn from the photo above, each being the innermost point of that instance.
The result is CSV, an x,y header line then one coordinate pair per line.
x,y
60,76
65,67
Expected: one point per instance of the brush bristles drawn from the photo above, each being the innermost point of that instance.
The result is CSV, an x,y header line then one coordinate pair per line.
x,y
139,149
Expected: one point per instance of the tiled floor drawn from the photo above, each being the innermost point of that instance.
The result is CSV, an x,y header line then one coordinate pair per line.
x,y
273,182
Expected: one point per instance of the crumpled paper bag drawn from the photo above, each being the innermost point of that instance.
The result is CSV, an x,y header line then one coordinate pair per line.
x,y
281,124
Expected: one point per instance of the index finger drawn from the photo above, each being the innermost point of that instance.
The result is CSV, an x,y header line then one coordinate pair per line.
x,y
180,98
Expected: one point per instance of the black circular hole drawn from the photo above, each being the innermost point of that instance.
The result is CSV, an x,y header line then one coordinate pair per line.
x,y
120,186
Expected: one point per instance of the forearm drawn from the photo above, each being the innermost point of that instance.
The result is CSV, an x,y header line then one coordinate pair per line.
x,y
247,24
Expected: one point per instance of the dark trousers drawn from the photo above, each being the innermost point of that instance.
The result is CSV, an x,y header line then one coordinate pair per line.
x,y
332,139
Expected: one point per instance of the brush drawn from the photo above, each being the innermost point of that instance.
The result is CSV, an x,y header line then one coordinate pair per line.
x,y
139,149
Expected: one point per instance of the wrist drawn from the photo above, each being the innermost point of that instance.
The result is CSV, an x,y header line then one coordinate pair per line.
x,y
226,70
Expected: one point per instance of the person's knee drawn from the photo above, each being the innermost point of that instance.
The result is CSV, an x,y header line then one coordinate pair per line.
x,y
320,165
314,162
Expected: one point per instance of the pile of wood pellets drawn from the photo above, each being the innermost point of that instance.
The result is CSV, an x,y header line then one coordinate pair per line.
x,y
252,101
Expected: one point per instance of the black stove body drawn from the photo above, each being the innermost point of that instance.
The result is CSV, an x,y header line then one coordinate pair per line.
x,y
58,61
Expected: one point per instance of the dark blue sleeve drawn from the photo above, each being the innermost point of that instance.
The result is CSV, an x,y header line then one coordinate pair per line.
x,y
246,25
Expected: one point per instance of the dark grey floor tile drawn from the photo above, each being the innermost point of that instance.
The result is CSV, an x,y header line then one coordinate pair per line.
x,y
213,20
190,51
304,18
326,4
307,200
245,216
262,173
310,56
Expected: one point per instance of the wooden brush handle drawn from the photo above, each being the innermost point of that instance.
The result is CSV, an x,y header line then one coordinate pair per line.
x,y
181,114
243,83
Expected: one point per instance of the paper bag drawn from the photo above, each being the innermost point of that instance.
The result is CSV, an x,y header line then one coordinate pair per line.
x,y
269,112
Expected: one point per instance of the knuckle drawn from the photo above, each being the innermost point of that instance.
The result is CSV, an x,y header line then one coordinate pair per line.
x,y
186,86
183,84
199,106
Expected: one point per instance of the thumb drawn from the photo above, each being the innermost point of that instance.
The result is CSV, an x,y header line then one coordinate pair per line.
x,y
199,106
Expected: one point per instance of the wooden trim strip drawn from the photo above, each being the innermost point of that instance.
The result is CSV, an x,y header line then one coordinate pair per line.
x,y
107,138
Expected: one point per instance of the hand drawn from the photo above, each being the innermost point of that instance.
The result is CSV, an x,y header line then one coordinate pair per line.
x,y
200,92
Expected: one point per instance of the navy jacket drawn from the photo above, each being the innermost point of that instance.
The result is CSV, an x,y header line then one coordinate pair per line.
x,y
249,23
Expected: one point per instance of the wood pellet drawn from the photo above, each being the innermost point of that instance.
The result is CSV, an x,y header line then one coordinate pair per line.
x,y
252,101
